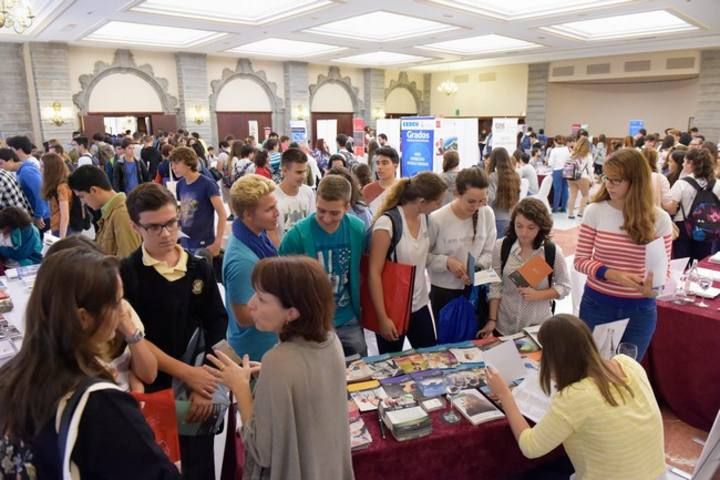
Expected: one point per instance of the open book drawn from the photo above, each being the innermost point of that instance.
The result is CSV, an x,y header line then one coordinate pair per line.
x,y
475,407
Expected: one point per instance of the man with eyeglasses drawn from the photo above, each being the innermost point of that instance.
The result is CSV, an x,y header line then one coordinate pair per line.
x,y
114,235
176,296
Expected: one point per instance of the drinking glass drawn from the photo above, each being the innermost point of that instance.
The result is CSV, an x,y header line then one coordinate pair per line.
x,y
704,283
452,386
629,349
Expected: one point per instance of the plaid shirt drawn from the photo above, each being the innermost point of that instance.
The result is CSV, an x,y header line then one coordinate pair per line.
x,y
11,195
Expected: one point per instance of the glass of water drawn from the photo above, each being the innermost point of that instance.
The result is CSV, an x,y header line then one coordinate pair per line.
x,y
453,387
629,349
704,283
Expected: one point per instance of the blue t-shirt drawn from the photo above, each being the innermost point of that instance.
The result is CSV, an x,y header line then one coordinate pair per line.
x,y
333,252
237,270
131,176
30,179
197,214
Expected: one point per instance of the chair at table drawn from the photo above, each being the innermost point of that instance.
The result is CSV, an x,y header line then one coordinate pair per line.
x,y
544,191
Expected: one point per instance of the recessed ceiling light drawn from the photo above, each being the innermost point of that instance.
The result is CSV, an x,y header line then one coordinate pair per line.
x,y
381,27
518,9
381,58
278,47
623,26
231,11
155,35
480,45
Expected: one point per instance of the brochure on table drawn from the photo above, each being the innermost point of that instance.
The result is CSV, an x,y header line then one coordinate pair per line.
x,y
608,335
656,262
504,133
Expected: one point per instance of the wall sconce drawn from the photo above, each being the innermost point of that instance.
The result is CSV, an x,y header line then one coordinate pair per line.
x,y
298,112
199,115
56,114
378,113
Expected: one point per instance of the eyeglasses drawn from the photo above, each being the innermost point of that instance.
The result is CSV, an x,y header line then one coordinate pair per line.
x,y
157,228
615,182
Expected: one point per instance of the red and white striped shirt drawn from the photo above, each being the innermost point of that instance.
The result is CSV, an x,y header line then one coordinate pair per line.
x,y
603,243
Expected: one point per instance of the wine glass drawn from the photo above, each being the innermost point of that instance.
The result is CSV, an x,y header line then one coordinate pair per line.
x,y
473,381
629,349
693,278
452,386
704,282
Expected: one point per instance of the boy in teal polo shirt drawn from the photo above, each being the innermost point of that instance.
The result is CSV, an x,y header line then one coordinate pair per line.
x,y
255,208
337,241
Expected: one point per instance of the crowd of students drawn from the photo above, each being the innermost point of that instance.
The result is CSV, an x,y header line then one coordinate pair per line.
x,y
292,310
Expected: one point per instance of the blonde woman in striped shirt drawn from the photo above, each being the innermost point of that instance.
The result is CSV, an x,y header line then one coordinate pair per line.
x,y
604,412
611,249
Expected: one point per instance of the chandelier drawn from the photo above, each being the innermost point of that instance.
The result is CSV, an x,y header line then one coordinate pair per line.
x,y
448,87
16,15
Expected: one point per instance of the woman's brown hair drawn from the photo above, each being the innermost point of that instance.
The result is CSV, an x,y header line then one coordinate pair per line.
x,y
639,206
702,162
425,185
570,355
58,351
535,211
55,172
451,159
288,278
582,148
508,181
651,156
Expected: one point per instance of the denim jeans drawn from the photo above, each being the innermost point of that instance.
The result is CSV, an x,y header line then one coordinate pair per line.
x,y
352,338
560,190
642,315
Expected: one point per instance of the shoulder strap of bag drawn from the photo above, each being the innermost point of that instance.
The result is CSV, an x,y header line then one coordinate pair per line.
x,y
550,250
397,231
504,253
693,183
71,416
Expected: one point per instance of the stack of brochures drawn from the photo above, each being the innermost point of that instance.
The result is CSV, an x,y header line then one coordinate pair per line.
x,y
406,423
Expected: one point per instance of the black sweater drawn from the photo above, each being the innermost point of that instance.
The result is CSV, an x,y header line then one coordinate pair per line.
x,y
171,311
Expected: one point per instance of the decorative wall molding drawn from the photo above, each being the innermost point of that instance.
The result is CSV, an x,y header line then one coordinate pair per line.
x,y
124,62
335,77
404,82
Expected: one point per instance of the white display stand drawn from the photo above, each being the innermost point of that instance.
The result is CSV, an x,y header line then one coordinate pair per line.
x,y
465,130
327,130
504,133
391,128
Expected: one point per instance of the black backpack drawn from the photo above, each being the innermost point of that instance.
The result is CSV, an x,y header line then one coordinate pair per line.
x,y
550,251
80,217
702,224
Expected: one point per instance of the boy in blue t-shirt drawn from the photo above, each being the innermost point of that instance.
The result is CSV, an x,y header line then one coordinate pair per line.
x,y
337,241
200,200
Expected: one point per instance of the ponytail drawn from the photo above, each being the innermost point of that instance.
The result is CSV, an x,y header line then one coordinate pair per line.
x,y
393,197
425,185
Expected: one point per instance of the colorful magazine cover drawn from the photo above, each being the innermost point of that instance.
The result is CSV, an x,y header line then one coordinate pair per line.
x,y
400,386
440,360
383,369
526,345
415,362
368,400
431,383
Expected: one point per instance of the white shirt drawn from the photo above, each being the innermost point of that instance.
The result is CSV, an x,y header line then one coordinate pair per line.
x,y
661,188
377,203
684,194
411,251
451,236
528,172
585,164
84,159
558,157
292,209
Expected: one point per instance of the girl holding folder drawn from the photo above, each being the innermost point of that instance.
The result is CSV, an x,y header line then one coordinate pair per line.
x,y
410,200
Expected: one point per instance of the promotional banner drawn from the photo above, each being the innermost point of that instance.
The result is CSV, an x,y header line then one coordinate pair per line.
x,y
504,133
391,128
327,130
359,136
298,131
635,126
267,131
460,134
416,143
253,129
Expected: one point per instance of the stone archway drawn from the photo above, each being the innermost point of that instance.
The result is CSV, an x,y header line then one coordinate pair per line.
x,y
124,62
335,77
244,69
403,82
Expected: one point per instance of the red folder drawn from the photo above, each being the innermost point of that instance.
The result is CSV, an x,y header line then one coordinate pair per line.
x,y
398,280
159,411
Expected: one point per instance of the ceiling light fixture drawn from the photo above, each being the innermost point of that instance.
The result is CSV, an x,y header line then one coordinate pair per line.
x,y
133,33
16,15
279,47
623,26
448,87
482,44
380,26
381,59
520,9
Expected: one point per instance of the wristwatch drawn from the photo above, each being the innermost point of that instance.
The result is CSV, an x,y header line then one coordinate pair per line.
x,y
135,337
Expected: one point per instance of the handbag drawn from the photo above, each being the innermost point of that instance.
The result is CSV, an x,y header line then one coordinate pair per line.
x,y
571,171
398,281
457,321
158,408
195,355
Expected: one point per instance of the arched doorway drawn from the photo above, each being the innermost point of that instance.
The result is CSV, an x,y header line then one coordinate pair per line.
x,y
333,98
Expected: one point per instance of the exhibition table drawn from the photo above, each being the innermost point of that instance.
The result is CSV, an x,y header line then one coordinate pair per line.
x,y
682,361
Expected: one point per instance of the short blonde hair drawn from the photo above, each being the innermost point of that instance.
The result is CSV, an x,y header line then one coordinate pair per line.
x,y
247,191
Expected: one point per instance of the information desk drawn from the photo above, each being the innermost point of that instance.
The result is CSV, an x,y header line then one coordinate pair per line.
x,y
683,361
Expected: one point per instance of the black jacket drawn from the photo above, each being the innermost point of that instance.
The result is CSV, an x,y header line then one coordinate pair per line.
x,y
118,179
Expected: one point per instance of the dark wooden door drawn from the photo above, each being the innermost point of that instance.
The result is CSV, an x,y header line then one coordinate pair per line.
x,y
236,124
93,123
166,123
344,124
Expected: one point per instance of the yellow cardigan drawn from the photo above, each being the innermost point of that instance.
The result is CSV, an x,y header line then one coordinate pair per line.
x,y
602,441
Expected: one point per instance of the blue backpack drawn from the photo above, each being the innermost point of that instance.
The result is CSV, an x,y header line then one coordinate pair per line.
x,y
457,321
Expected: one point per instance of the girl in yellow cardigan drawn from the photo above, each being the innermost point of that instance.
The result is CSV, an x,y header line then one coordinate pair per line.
x,y
604,412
